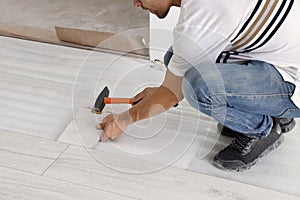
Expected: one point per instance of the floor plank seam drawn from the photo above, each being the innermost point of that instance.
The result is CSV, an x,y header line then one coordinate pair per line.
x,y
111,192
28,135
68,83
92,187
77,184
35,136
19,170
116,154
42,174
49,190
20,153
69,145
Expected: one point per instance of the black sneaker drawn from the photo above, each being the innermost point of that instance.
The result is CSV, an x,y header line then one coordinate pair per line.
x,y
286,124
244,152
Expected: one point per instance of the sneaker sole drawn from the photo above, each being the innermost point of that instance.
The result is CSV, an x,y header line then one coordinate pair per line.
x,y
248,166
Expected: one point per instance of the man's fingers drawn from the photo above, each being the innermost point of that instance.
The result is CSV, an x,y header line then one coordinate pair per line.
x,y
107,133
136,102
138,97
112,126
100,126
141,95
103,137
108,118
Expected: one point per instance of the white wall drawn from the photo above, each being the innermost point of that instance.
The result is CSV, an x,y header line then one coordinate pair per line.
x,y
161,33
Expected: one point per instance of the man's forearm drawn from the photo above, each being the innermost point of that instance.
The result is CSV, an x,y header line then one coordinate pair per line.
x,y
153,103
161,100
164,97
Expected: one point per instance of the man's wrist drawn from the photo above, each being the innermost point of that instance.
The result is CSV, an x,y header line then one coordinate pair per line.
x,y
125,117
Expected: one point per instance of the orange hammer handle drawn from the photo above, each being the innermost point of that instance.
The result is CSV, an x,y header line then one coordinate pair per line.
x,y
117,101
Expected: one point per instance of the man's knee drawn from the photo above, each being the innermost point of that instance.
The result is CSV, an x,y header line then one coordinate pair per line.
x,y
194,88
204,90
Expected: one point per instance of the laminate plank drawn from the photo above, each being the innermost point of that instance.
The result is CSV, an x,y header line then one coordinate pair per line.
x,y
78,165
30,145
16,185
23,162
28,153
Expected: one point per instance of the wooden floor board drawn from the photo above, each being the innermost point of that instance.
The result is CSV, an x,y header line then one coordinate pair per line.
x,y
76,165
28,153
30,145
16,185
24,162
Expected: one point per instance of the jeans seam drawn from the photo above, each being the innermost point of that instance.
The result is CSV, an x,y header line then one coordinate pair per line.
x,y
256,95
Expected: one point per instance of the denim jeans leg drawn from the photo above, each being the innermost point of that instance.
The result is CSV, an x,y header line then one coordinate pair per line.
x,y
242,97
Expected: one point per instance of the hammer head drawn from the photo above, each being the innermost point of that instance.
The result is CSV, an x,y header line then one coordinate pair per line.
x,y
99,104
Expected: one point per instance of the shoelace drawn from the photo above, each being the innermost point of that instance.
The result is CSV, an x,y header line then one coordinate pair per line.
x,y
242,143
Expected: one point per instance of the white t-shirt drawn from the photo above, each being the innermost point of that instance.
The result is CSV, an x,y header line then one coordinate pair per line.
x,y
226,31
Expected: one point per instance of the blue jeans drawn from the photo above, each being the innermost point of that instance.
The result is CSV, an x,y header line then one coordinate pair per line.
x,y
242,97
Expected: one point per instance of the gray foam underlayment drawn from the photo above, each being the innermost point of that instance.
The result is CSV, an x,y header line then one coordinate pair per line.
x,y
45,89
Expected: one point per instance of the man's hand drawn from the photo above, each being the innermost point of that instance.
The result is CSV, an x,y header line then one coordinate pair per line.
x,y
146,92
113,125
154,101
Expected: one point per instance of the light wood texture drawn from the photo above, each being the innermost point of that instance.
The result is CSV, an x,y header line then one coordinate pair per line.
x,y
28,69
173,138
278,169
28,153
16,185
77,166
29,145
24,162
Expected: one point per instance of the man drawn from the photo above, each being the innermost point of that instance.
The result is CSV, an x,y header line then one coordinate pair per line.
x,y
237,61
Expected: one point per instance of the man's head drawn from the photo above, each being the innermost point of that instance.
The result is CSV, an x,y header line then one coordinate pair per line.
x,y
158,7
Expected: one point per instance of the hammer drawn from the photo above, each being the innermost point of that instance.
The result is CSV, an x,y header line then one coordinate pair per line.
x,y
103,99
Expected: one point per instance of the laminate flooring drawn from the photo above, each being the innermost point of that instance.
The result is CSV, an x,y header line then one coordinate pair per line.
x,y
47,136
73,173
